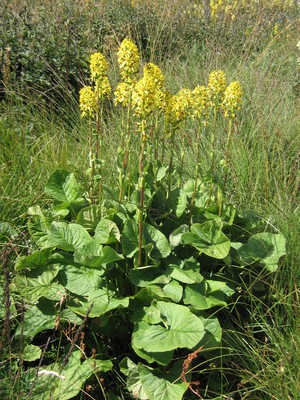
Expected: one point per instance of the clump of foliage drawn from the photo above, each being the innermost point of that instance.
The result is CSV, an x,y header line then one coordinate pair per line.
x,y
138,278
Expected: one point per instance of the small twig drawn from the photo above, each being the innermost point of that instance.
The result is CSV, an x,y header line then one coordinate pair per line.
x,y
77,336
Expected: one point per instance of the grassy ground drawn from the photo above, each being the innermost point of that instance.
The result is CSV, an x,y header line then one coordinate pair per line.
x,y
42,131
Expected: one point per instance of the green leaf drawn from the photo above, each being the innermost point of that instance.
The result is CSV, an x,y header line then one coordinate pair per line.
x,y
95,255
68,237
151,235
34,289
208,238
79,279
145,276
7,231
187,272
66,384
89,217
134,385
103,301
265,247
173,291
38,225
36,259
162,358
31,353
130,243
178,201
161,246
213,333
107,232
180,329
175,236
162,387
161,173
63,187
207,294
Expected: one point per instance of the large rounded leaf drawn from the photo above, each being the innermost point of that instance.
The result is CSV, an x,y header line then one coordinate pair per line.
x,y
208,238
179,328
63,187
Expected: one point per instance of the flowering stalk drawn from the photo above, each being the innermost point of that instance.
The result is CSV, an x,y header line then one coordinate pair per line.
x,y
182,156
196,171
141,187
216,86
171,166
231,104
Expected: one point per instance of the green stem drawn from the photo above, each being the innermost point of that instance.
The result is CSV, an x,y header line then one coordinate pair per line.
x,y
141,187
91,161
100,150
212,154
182,156
196,171
227,154
170,167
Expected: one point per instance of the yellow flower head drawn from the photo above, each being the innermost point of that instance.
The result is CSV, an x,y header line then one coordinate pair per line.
x,y
153,72
201,103
87,102
98,67
217,86
128,59
232,99
143,97
121,94
178,107
103,88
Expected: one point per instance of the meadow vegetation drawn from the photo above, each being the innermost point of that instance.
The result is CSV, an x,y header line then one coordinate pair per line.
x,y
149,199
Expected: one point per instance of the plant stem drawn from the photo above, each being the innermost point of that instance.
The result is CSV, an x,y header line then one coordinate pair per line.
x,y
100,151
182,156
226,164
212,154
141,187
170,167
91,162
196,171
128,136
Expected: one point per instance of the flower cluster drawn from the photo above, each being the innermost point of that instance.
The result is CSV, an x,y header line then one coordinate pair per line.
x,y
143,96
178,107
121,94
128,59
232,99
154,73
201,103
98,67
217,86
87,102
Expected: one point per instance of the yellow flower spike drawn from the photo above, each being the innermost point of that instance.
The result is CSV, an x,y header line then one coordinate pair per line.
x,y
98,67
103,88
154,73
178,107
201,103
121,94
87,102
217,86
128,59
232,99
143,97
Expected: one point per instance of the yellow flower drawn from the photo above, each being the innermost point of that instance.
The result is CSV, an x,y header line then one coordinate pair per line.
x,y
121,94
153,72
87,102
217,86
201,103
103,88
128,59
98,67
232,99
143,96
178,107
